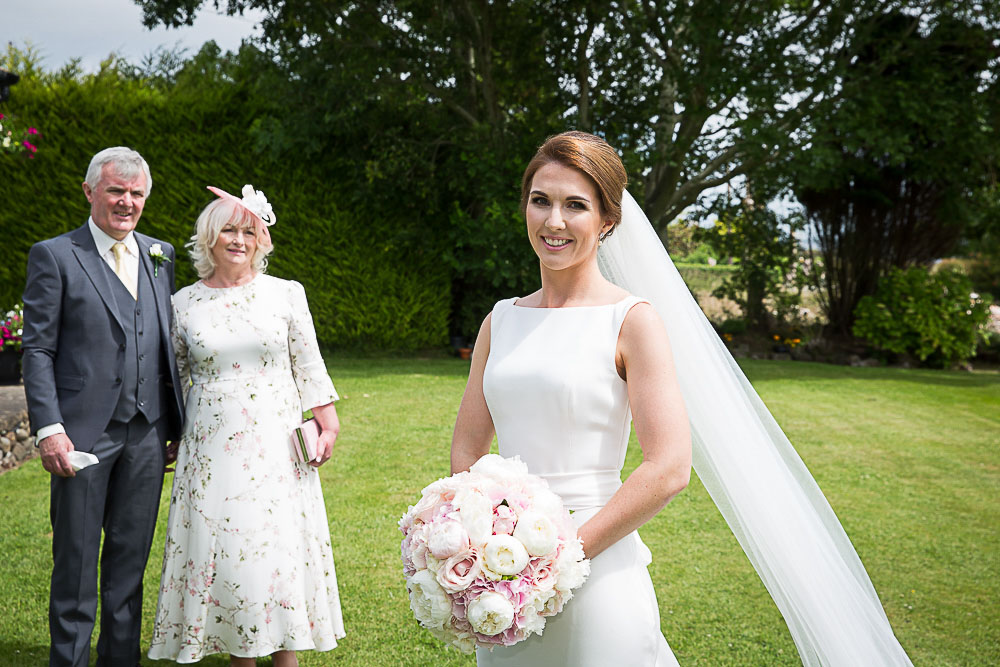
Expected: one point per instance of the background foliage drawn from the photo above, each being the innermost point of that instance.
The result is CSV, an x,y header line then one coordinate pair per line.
x,y
931,316
400,129
365,287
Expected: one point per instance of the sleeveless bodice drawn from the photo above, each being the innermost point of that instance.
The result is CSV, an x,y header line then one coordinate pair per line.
x,y
556,398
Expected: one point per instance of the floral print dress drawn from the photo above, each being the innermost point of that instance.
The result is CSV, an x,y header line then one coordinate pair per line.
x,y
248,565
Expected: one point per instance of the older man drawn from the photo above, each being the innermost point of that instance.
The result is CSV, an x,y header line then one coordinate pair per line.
x,y
100,377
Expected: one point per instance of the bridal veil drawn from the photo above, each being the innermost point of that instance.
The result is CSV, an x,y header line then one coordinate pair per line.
x,y
765,492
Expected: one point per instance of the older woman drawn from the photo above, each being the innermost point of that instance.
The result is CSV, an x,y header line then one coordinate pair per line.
x,y
248,568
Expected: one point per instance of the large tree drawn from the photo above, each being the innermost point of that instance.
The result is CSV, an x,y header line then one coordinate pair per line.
x,y
695,92
896,171
440,103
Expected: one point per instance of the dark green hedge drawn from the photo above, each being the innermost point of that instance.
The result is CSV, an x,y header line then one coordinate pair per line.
x,y
365,290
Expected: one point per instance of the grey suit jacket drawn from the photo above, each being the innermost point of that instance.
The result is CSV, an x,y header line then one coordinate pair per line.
x,y
73,342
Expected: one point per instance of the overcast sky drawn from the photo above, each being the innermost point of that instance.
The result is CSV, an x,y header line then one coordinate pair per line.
x,y
92,29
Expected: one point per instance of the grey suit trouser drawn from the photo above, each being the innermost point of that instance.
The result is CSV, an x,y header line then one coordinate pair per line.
x,y
121,496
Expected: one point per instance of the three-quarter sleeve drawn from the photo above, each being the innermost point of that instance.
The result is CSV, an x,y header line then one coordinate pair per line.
x,y
308,369
180,348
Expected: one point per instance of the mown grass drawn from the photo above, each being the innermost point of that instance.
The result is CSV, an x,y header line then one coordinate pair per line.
x,y
908,459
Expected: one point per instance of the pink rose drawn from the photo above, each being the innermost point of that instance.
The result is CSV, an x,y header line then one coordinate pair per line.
x,y
504,520
460,570
542,572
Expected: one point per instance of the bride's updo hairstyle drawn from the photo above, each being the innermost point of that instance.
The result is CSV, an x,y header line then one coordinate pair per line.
x,y
592,156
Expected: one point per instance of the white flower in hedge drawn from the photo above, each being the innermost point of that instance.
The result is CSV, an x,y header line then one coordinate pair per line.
x,y
537,533
504,555
429,602
490,613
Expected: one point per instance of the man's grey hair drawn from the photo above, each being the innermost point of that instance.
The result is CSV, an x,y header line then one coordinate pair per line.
x,y
127,163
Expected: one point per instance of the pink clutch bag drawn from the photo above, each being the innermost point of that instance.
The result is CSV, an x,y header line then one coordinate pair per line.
x,y
304,438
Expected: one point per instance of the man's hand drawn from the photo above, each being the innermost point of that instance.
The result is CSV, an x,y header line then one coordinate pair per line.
x,y
54,450
172,448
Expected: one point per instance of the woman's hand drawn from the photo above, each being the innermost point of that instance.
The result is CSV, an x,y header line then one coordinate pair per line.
x,y
324,448
329,424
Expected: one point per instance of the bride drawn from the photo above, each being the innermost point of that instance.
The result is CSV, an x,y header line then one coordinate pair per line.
x,y
614,336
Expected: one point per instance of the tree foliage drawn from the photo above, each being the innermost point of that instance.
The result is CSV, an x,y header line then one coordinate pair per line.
x,y
766,256
440,103
895,172
191,120
693,92
933,317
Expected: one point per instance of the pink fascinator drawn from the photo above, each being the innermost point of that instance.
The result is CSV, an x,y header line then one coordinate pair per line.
x,y
255,202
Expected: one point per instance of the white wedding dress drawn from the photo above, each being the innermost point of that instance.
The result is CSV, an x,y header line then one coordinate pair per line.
x,y
557,401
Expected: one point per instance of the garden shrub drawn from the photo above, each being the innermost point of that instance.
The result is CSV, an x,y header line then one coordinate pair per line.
x,y
936,318
366,289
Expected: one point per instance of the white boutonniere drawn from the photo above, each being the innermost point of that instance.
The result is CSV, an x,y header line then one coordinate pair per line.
x,y
156,254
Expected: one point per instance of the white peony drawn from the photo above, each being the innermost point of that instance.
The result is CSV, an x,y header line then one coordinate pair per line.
x,y
490,613
504,555
433,564
498,467
447,538
429,602
573,569
531,621
548,503
464,642
536,532
476,512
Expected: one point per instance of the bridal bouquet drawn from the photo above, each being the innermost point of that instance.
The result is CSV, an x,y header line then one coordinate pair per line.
x,y
489,554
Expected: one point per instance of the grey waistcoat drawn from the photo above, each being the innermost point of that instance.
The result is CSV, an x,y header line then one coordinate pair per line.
x,y
142,385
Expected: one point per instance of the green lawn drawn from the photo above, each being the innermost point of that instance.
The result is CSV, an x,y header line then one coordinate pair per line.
x,y
908,459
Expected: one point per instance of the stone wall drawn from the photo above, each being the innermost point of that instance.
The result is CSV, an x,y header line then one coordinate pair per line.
x,y
16,442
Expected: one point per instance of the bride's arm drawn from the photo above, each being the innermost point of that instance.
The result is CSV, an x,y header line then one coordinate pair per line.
x,y
474,426
661,425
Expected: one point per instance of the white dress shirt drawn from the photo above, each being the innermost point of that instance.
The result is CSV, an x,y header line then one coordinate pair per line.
x,y
104,244
131,260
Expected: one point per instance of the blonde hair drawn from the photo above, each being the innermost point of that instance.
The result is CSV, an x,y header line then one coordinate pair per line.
x,y
592,156
212,219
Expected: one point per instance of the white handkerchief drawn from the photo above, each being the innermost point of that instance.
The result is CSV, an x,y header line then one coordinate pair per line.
x,y
80,460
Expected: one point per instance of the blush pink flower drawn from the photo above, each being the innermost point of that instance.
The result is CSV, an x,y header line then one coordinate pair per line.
x,y
504,520
459,571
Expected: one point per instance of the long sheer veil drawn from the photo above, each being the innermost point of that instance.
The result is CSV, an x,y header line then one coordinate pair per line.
x,y
771,502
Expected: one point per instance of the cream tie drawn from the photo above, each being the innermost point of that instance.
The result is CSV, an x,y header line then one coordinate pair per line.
x,y
119,250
